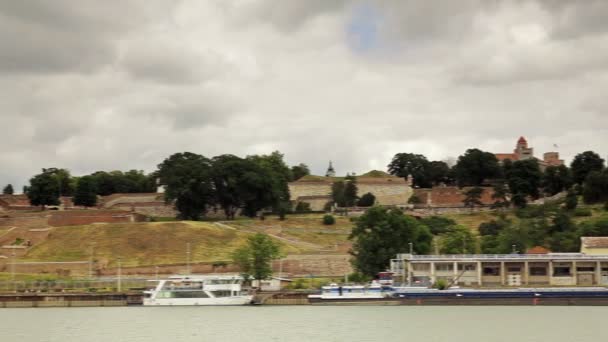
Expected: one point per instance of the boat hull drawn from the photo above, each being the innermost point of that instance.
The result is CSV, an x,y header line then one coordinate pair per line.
x,y
235,300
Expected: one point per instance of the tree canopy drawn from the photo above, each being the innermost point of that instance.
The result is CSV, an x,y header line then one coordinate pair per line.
x,y
381,233
45,188
416,165
8,190
299,171
86,192
255,258
585,163
475,167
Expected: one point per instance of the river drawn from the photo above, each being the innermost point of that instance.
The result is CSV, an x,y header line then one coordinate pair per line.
x,y
305,323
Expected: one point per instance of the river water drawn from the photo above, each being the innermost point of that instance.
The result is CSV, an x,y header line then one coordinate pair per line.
x,y
306,323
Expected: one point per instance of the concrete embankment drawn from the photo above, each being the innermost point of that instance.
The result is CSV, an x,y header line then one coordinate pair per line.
x,y
46,300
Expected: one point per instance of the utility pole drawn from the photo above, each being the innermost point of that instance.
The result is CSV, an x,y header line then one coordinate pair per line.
x,y
188,258
119,280
91,259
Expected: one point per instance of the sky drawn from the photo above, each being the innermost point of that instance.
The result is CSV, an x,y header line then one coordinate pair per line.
x,y
116,85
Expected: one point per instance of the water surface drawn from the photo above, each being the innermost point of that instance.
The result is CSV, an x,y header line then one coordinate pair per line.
x,y
306,323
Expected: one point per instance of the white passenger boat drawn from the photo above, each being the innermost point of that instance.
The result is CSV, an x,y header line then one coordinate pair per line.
x,y
198,290
335,292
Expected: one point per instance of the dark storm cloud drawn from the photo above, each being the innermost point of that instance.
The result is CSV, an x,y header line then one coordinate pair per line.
x,y
94,85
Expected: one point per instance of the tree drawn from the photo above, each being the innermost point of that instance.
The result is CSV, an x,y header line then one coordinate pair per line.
x,y
350,191
8,190
475,167
337,193
595,188
255,258
556,179
524,178
86,192
367,200
439,173
571,200
493,227
303,207
328,220
405,164
299,171
187,180
44,189
513,238
244,184
499,196
585,163
458,240
472,197
381,233
279,174
438,224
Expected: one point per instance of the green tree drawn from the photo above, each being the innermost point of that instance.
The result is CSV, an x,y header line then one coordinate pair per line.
x,y
493,227
255,258
187,180
438,224
585,163
278,172
499,195
86,192
475,167
350,191
44,189
337,193
556,179
458,240
303,207
405,164
439,173
381,233
328,220
595,188
299,171
524,177
8,190
513,238
367,200
472,197
571,200
243,183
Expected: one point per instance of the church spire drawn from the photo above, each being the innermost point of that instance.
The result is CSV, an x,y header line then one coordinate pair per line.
x,y
330,171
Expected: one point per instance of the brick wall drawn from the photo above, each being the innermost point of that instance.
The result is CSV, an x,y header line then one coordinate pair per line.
x,y
449,196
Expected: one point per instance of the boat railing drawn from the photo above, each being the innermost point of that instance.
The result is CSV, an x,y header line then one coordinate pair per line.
x,y
414,257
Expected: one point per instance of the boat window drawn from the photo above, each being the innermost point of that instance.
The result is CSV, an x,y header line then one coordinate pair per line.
x,y
466,267
190,294
219,294
444,267
514,269
585,269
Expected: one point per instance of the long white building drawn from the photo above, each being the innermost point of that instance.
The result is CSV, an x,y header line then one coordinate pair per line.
x,y
496,270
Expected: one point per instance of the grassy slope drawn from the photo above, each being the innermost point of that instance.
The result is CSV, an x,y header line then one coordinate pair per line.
x,y
140,243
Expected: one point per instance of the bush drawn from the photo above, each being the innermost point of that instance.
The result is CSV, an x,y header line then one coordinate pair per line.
x,y
414,200
583,212
303,207
367,200
441,284
358,278
606,206
571,200
328,220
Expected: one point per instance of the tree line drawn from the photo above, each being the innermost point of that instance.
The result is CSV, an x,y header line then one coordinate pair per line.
x,y
514,182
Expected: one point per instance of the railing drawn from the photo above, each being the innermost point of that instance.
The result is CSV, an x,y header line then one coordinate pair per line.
x,y
549,256
42,286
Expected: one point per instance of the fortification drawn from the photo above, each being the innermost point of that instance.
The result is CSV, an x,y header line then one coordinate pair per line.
x,y
316,190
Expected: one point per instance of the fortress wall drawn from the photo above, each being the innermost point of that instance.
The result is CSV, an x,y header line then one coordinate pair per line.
x,y
387,194
299,189
450,196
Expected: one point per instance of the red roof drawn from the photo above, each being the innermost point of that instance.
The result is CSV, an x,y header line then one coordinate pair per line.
x,y
505,156
522,140
538,250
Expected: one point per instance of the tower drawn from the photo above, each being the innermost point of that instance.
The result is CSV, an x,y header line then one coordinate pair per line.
x,y
522,151
330,171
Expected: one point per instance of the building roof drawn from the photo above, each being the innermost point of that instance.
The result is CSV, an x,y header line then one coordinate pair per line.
x,y
595,242
522,140
505,156
538,250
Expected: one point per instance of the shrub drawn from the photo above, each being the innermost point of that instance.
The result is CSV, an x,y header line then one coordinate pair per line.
x,y
303,207
414,200
367,200
328,220
441,284
582,212
606,206
358,278
571,200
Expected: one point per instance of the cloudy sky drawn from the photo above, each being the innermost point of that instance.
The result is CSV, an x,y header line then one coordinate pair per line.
x,y
103,85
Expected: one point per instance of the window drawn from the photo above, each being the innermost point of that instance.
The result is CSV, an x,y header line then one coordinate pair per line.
x,y
514,269
467,267
561,271
538,271
444,267
190,294
218,294
491,271
585,269
421,267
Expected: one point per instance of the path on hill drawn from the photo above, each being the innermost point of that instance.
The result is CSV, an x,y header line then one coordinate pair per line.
x,y
293,241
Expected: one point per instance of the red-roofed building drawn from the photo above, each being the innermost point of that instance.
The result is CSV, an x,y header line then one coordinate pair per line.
x,y
522,152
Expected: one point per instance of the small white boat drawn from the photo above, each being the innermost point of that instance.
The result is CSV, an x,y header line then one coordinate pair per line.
x,y
351,292
198,290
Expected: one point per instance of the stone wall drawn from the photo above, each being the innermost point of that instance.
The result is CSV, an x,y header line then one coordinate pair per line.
x,y
449,196
386,194
84,217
